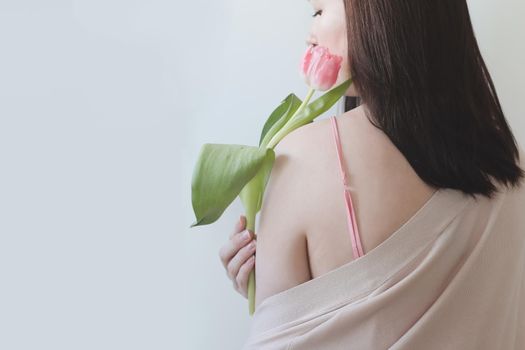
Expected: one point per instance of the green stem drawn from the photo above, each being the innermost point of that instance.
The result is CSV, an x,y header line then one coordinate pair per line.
x,y
250,226
284,130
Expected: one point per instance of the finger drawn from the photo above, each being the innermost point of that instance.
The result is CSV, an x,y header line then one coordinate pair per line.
x,y
239,290
233,245
240,258
239,226
244,274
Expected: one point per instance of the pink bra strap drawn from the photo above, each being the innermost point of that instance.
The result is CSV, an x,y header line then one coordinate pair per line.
x,y
352,222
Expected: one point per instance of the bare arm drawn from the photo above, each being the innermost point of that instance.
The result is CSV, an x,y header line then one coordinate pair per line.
x,y
282,255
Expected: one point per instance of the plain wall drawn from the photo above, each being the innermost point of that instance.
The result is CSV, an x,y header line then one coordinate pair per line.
x,y
104,106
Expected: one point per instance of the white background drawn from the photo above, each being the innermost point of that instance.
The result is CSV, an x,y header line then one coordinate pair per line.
x,y
104,106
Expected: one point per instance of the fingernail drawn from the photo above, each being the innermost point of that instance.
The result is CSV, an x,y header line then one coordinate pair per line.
x,y
246,235
240,224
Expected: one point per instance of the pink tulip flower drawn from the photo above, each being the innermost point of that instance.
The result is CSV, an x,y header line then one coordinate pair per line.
x,y
320,68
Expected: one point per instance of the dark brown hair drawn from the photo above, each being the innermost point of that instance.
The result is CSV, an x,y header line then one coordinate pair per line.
x,y
417,66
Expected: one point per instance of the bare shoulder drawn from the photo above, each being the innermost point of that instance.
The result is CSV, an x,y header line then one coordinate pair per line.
x,y
282,255
302,229
312,136
382,182
282,248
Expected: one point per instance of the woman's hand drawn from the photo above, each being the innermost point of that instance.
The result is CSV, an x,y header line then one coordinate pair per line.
x,y
238,256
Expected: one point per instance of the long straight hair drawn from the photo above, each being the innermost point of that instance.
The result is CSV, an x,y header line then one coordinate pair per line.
x,y
417,67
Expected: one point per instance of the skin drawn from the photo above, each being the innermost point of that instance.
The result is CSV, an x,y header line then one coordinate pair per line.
x,y
235,257
383,183
328,29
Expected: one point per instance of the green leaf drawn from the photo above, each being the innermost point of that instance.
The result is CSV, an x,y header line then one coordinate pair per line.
x,y
221,172
310,112
279,117
322,103
252,194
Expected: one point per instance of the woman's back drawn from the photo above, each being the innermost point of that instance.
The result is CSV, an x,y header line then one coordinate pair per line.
x,y
440,269
385,191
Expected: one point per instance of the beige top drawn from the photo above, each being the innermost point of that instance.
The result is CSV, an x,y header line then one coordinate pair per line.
x,y
452,277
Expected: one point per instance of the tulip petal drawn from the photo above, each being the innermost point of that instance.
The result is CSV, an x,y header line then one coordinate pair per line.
x,y
326,76
320,68
318,54
305,64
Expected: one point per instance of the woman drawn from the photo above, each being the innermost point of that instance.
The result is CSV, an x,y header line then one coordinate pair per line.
x,y
377,226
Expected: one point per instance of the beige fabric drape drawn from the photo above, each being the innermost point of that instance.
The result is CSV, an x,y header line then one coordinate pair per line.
x,y
452,277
